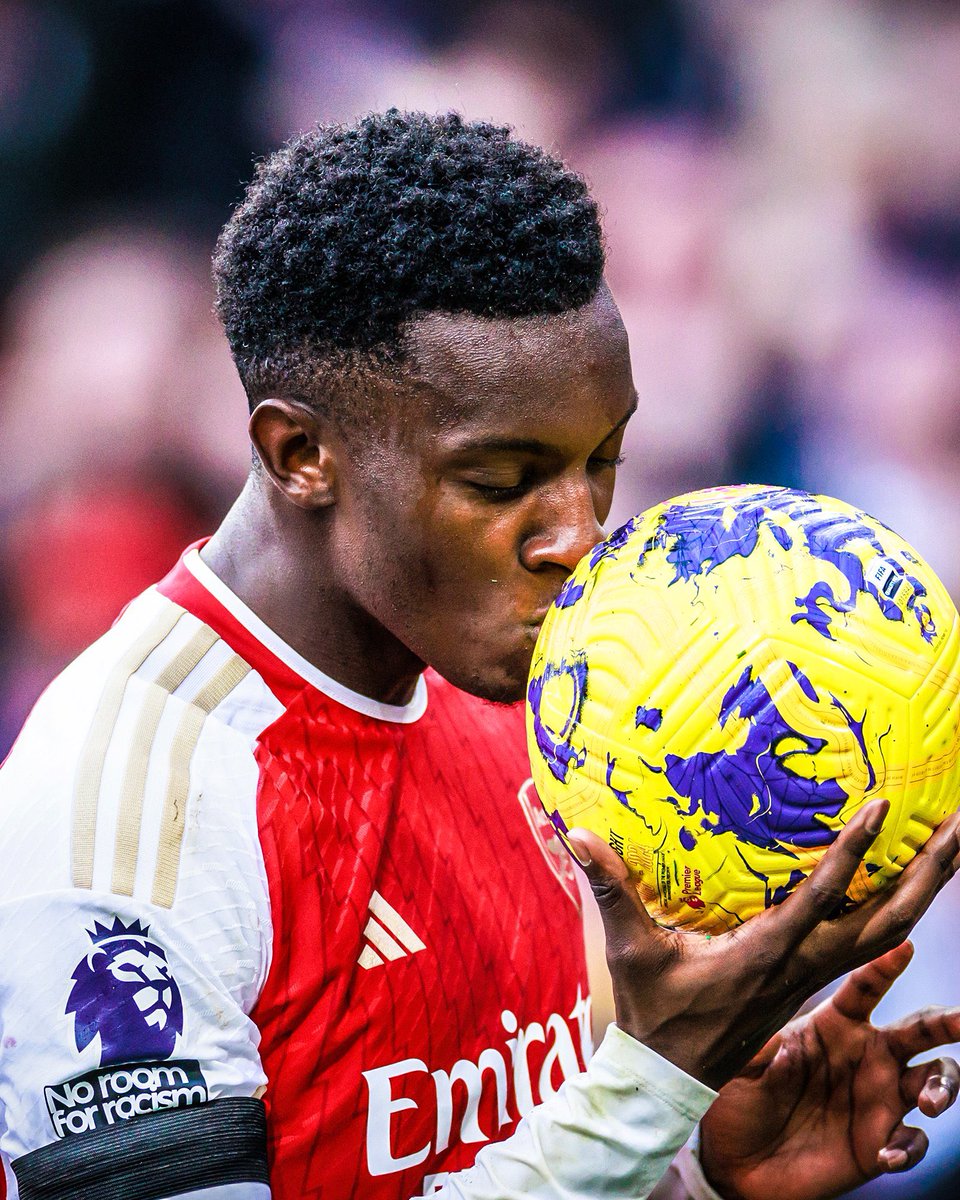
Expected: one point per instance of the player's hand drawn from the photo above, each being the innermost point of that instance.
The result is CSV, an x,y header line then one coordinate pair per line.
x,y
820,1109
709,1004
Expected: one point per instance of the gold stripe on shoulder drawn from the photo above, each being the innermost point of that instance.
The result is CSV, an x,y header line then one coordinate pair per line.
x,y
86,795
173,818
130,816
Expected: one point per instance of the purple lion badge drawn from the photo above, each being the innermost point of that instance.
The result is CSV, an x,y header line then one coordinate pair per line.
x,y
124,992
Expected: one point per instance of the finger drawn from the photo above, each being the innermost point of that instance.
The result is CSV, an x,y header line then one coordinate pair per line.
x,y
904,1149
923,1031
621,909
863,989
763,1058
822,893
931,1086
934,864
886,918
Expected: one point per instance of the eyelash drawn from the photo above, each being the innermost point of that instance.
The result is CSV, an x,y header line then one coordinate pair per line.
x,y
510,493
604,463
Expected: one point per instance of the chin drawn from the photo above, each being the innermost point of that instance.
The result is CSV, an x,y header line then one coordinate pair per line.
x,y
504,693
500,684
490,672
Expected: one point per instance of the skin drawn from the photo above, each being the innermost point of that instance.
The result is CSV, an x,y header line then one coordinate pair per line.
x,y
831,1080
439,532
445,537
822,1099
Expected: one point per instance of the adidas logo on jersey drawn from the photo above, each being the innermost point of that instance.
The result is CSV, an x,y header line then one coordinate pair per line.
x,y
387,936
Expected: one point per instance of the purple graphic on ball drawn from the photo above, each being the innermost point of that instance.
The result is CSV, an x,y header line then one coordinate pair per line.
x,y
555,745
569,594
611,546
124,993
698,539
649,718
702,541
754,791
620,794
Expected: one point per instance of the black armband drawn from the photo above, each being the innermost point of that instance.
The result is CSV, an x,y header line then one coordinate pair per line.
x,y
159,1155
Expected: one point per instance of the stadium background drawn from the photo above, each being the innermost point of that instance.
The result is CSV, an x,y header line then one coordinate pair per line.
x,y
781,183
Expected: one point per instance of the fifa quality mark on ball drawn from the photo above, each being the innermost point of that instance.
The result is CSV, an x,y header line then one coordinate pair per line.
x,y
555,744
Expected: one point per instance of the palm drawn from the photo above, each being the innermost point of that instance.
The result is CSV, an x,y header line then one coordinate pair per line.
x,y
810,1116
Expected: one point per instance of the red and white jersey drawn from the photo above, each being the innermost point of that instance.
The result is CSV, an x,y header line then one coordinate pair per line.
x,y
225,877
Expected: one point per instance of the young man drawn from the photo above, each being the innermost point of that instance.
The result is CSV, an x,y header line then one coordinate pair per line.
x,y
269,882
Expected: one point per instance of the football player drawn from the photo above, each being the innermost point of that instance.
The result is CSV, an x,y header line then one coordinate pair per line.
x,y
280,913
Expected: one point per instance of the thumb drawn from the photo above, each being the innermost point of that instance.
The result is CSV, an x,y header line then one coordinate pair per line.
x,y
621,908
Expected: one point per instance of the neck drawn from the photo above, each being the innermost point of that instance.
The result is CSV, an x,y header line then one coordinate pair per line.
x,y
268,553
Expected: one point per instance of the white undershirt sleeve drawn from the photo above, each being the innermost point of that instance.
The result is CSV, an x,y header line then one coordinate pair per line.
x,y
685,1179
611,1131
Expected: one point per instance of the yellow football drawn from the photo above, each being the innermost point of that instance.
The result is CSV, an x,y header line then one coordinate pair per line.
x,y
726,679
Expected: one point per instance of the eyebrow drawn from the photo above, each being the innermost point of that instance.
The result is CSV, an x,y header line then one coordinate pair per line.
x,y
531,445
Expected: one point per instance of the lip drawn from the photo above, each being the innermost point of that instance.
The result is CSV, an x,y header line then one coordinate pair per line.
x,y
534,627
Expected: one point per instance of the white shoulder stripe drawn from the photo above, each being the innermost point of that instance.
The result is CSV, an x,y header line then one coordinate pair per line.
x,y
90,771
141,744
130,815
173,817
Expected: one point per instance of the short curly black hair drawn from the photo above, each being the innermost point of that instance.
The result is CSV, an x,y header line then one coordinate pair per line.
x,y
348,232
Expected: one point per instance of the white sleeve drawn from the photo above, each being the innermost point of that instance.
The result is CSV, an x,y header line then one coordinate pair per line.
x,y
134,923
611,1131
685,1179
108,1011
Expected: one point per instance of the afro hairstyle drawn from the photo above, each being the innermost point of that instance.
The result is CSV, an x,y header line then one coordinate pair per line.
x,y
347,233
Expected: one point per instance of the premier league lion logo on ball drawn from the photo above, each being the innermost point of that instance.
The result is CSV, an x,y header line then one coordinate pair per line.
x,y
124,992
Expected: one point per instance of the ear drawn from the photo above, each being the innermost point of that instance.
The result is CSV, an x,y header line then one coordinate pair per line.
x,y
296,452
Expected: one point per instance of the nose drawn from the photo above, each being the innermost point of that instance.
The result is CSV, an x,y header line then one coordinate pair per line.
x,y
565,528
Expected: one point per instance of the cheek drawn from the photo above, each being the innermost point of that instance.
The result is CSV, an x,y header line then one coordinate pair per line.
x,y
472,563
434,557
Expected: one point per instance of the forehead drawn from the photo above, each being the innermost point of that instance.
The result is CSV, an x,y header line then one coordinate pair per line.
x,y
474,376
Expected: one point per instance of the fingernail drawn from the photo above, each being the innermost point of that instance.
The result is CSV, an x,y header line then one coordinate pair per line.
x,y
875,820
893,1160
940,1094
580,853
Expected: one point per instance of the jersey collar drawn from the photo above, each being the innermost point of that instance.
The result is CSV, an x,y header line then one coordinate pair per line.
x,y
196,588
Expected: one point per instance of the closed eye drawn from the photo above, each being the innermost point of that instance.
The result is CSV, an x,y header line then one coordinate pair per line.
x,y
498,492
495,492
605,464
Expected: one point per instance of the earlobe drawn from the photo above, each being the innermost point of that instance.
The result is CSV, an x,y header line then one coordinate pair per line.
x,y
294,453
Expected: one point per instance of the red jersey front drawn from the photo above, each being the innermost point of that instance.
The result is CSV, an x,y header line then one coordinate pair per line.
x,y
427,985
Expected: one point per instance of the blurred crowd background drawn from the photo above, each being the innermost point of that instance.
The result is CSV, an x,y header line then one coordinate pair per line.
x,y
781,184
